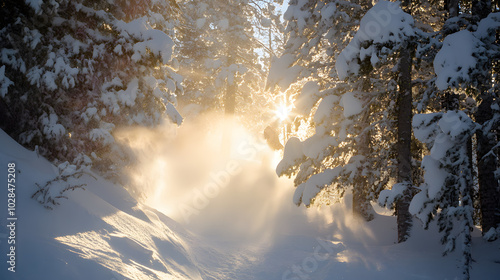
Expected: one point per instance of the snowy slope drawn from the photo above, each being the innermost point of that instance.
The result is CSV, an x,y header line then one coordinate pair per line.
x,y
103,233
99,233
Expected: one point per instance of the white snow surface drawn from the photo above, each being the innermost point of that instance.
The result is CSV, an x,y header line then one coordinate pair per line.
x,y
316,146
425,127
457,59
51,128
486,28
325,109
297,12
103,233
305,192
389,197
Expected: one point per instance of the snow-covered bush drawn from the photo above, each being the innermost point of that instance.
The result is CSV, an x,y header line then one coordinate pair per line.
x,y
50,194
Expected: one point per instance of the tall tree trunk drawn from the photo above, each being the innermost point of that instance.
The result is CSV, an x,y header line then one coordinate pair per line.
x,y
487,162
452,7
230,90
231,86
230,98
361,206
489,193
404,218
481,8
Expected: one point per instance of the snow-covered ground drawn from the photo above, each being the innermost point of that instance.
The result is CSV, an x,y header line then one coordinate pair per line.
x,y
249,229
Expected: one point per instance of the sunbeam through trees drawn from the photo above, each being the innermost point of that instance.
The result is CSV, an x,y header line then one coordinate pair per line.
x,y
250,139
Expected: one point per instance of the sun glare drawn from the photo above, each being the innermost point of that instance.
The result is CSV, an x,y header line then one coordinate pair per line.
x,y
282,112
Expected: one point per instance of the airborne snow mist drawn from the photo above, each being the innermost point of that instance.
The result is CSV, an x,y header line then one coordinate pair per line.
x,y
224,189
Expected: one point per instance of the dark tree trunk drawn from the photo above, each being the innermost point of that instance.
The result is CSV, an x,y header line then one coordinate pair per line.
x,y
404,218
229,98
489,195
231,86
452,7
361,206
481,8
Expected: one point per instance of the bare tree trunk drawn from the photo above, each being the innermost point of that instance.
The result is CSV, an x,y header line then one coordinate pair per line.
x,y
231,86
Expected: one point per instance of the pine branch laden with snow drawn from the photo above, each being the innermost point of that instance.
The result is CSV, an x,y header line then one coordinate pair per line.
x,y
78,70
328,161
446,194
311,24
464,55
383,29
4,82
451,71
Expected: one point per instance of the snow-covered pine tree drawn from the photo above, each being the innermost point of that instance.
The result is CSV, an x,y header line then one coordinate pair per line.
x,y
384,39
447,192
218,50
448,175
487,137
348,143
199,56
303,73
74,70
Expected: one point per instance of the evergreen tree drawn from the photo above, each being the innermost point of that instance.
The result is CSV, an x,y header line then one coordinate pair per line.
x,y
462,63
349,145
489,189
447,176
76,70
218,51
